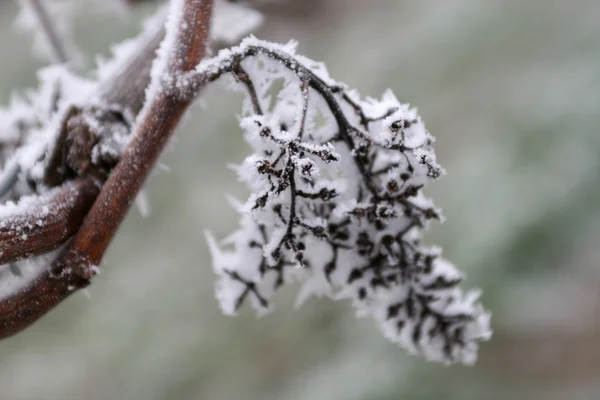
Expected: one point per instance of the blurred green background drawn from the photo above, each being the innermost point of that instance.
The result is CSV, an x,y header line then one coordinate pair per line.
x,y
511,90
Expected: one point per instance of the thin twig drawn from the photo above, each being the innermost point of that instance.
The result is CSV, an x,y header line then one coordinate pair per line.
x,y
9,177
198,79
57,44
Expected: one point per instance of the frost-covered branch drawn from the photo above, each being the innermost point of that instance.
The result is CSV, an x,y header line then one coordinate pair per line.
x,y
184,46
38,224
69,128
86,131
337,203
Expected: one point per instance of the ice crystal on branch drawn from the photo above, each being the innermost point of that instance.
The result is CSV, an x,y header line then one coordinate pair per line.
x,y
337,204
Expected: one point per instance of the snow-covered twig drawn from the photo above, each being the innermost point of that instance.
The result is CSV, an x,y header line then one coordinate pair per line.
x,y
38,224
338,204
25,231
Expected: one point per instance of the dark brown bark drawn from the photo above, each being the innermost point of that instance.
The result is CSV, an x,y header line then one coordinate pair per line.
x,y
162,116
74,200
74,267
47,225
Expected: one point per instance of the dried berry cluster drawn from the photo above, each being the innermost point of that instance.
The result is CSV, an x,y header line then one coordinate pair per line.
x,y
337,203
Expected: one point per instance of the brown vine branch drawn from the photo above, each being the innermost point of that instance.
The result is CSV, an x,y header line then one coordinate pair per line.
x,y
32,233
75,266
157,123
46,225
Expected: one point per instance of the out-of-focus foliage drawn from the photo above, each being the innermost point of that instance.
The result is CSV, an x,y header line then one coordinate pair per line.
x,y
511,91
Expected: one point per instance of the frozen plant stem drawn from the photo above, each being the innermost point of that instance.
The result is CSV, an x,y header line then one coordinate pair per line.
x,y
53,222
29,234
183,48
56,43
154,127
